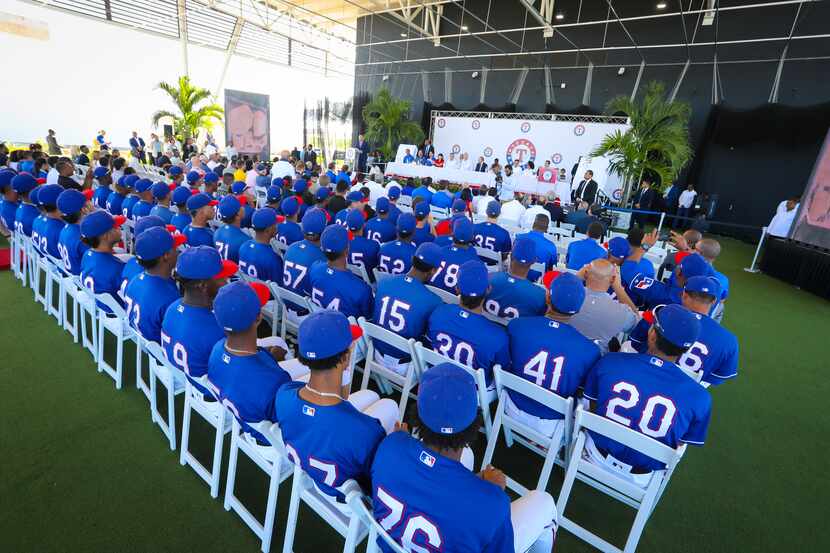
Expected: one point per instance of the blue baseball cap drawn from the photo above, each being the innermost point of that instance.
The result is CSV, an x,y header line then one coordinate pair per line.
x,y
48,194
23,183
325,334
335,239
472,278
447,400
198,201
274,193
229,206
323,192
406,223
567,293
143,185
71,201
314,222
181,194
524,250
260,167
619,247
695,265
160,190
394,192
202,263
704,285
462,230
6,176
146,223
238,304
238,187
421,209
211,177
155,242
194,177
263,218
130,181
382,205
354,196
677,324
33,195
175,171
290,206
355,219
493,209
459,206
300,186
100,171
430,253
99,222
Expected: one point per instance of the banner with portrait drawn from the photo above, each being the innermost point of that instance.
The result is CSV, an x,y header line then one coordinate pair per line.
x,y
812,223
247,122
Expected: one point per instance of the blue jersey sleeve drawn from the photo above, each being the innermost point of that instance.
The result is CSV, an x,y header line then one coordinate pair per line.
x,y
727,368
699,425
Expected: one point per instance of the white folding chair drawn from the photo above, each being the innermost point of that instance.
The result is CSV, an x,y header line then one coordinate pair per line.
x,y
405,382
278,246
427,358
490,255
54,280
361,505
215,415
568,227
40,283
548,447
270,459
88,311
287,325
19,263
116,324
173,380
339,516
643,498
445,296
261,194
70,289
405,201
439,213
360,271
381,275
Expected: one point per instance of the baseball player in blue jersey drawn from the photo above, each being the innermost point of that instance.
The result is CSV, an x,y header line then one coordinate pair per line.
x,y
210,184
545,249
130,182
53,224
100,268
26,212
8,207
115,200
330,433
273,196
189,329
713,358
403,305
229,237
103,191
649,393
202,210
395,257
582,252
144,188
635,263
132,267
148,295
380,229
176,175
238,189
194,180
443,229
455,255
161,194
462,333
257,258
547,350
490,234
427,500
618,250
333,285
73,206
363,251
301,256
242,375
393,192
182,217
38,221
355,199
511,294
423,228
289,231
648,292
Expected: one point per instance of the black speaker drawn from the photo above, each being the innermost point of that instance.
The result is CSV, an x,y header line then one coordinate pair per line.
x,y
168,131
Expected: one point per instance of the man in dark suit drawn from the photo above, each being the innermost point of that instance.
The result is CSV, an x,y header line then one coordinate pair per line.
x,y
428,148
481,167
295,153
137,147
310,155
644,200
587,189
363,146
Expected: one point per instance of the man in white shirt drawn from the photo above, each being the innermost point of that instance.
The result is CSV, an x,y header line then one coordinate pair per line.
x,y
283,167
512,211
454,162
230,151
782,221
687,198
213,161
526,222
466,164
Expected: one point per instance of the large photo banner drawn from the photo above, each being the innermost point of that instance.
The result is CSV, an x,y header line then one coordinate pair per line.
x,y
566,144
812,224
247,122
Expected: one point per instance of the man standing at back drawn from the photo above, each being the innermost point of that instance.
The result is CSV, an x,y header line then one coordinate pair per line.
x,y
586,190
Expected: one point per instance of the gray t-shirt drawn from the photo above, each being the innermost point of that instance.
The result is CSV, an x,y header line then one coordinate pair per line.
x,y
602,317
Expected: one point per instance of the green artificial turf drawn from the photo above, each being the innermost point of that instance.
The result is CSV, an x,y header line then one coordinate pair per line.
x,y
83,468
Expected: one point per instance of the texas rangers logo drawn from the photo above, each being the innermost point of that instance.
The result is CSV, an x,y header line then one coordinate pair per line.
x,y
521,149
579,130
456,148
476,124
488,151
525,126
441,122
427,459
556,158
644,284
617,194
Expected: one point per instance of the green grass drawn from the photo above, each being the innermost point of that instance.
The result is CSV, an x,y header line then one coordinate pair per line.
x,y
83,469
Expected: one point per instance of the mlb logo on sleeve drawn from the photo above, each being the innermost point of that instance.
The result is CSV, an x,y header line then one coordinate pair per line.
x,y
427,459
308,410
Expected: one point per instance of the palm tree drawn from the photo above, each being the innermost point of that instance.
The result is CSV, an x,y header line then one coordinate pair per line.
x,y
190,117
656,144
387,123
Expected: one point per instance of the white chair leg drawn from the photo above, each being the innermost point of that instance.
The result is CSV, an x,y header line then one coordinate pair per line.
x,y
153,395
234,455
186,428
271,507
293,512
216,468
352,534
372,542
171,413
119,362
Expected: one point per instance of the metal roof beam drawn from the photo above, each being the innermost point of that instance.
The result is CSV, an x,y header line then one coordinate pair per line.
x,y
544,16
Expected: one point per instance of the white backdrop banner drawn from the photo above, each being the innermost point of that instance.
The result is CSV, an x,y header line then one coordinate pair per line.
x,y
560,142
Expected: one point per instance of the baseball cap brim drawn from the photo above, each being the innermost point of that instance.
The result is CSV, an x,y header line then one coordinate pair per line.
x,y
229,268
179,240
213,202
262,292
118,220
549,277
88,193
357,332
